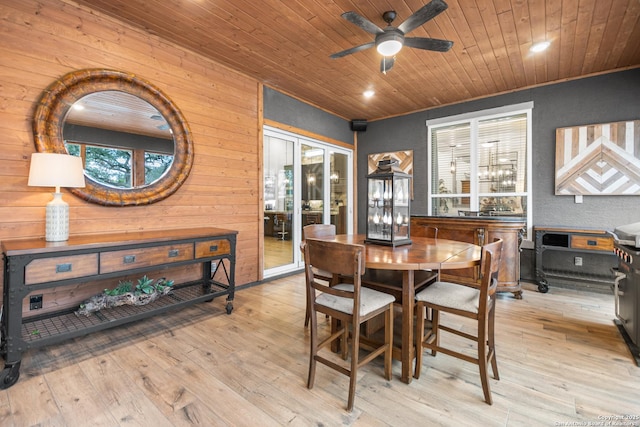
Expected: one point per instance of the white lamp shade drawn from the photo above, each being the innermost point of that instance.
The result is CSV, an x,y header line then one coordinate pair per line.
x,y
55,170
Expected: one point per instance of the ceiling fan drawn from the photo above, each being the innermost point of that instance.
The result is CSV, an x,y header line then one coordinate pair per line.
x,y
389,41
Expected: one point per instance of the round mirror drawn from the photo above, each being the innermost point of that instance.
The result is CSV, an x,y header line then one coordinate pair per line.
x,y
135,143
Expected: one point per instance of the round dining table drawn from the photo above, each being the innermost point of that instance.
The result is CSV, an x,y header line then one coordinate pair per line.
x,y
408,262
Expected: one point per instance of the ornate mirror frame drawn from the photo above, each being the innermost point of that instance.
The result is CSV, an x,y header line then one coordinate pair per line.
x,y
52,108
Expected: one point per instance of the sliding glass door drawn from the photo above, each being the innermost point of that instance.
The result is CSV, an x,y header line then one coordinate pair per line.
x,y
279,202
305,182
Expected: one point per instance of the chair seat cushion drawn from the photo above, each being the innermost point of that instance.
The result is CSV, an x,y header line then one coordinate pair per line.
x,y
452,295
370,300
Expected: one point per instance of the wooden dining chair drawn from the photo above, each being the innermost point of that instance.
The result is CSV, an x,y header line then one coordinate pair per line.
x,y
476,303
317,231
349,304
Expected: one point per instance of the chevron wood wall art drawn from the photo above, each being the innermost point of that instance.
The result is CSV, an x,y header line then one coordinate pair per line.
x,y
601,159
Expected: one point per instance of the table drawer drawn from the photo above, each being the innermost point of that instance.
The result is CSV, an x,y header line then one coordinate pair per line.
x,y
130,259
60,268
211,248
592,243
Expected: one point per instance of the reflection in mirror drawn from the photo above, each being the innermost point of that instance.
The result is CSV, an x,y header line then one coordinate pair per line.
x,y
123,140
121,170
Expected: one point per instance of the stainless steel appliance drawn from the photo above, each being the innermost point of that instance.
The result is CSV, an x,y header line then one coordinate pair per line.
x,y
627,284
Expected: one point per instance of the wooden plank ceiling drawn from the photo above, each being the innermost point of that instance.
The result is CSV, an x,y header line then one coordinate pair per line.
x,y
286,45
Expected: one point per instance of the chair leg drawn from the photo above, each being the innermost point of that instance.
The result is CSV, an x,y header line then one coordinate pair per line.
x,y
353,376
420,309
492,343
482,361
312,353
435,329
306,317
388,342
307,310
335,325
345,341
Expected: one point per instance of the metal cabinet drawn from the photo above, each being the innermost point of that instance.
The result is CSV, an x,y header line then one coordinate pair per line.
x,y
574,255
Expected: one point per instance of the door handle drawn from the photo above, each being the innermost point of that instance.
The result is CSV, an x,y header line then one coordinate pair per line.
x,y
617,293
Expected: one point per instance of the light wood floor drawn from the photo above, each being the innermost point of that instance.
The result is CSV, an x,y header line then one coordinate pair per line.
x,y
561,360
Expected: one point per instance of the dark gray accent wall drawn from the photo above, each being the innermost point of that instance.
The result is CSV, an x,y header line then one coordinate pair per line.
x,y
289,111
600,99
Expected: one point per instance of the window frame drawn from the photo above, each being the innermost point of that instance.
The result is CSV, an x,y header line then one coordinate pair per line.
x,y
473,118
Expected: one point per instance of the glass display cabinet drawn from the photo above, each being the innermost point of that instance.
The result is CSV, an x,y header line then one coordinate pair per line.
x,y
388,205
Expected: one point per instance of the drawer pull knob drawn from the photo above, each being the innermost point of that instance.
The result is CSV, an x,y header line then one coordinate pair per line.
x,y
174,253
128,259
63,268
213,248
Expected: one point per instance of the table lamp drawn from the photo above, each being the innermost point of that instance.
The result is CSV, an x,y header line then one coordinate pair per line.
x,y
56,170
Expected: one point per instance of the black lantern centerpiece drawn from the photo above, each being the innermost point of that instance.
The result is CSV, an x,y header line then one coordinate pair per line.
x,y
388,203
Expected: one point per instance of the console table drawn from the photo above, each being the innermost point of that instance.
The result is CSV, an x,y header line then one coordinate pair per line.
x,y
33,265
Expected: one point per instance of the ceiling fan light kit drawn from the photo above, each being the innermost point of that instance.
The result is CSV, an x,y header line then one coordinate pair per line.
x,y
389,42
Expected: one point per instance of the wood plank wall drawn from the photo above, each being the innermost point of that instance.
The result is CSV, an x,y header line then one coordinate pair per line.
x,y
42,41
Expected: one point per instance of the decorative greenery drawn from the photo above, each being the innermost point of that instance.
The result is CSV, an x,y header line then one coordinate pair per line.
x,y
122,288
145,286
162,284
144,292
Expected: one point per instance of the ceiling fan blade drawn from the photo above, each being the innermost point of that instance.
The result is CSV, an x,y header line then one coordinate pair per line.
x,y
387,63
422,15
352,50
362,22
428,44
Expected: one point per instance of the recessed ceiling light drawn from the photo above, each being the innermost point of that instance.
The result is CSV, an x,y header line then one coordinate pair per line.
x,y
368,93
539,47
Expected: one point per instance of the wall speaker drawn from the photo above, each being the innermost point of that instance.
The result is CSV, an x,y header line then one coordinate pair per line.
x,y
358,125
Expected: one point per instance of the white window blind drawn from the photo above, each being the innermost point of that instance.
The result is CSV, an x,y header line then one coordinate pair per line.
x,y
480,165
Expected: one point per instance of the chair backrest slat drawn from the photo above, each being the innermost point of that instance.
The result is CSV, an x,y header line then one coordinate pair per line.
x,y
337,258
318,230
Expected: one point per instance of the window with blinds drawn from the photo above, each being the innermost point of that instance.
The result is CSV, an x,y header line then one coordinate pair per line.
x,y
480,165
